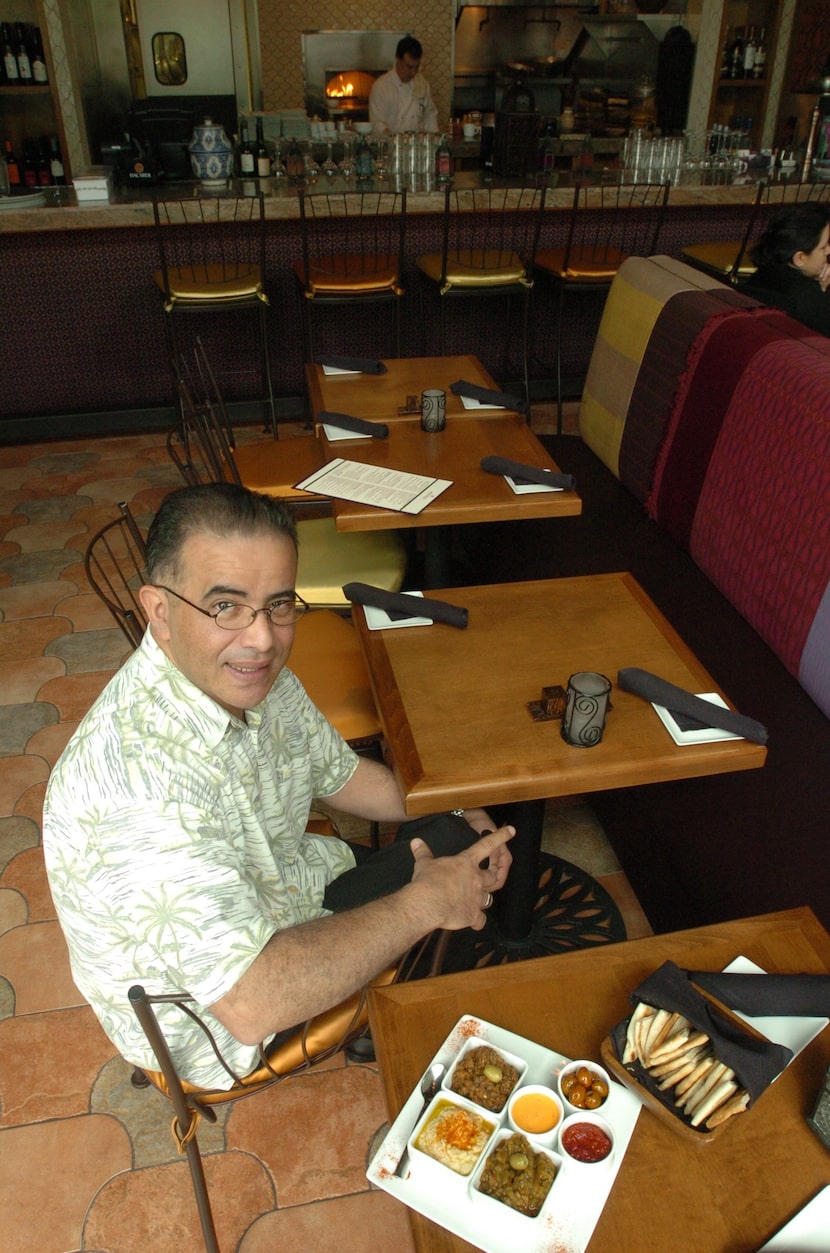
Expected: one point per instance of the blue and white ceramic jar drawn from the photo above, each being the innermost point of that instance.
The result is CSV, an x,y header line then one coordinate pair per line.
x,y
211,154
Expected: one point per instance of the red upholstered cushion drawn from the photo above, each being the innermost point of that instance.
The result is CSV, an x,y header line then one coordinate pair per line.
x,y
762,527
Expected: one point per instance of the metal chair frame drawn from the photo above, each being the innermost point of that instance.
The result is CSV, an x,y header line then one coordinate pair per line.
x,y
212,258
484,230
352,253
114,567
608,222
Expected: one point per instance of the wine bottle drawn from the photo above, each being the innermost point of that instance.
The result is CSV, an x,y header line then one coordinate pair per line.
x,y
736,54
443,161
12,165
364,164
749,53
246,152
40,74
263,160
759,69
28,164
56,162
294,164
24,64
11,74
44,172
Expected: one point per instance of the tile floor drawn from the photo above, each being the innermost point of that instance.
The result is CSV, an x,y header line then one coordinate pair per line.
x,y
86,1161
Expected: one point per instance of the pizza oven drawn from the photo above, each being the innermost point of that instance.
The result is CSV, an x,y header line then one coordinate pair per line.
x,y
340,66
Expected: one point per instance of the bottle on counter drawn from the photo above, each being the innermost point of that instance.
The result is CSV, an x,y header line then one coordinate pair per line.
x,y
547,149
364,165
24,63
11,74
44,172
40,75
262,159
246,152
56,162
443,161
12,165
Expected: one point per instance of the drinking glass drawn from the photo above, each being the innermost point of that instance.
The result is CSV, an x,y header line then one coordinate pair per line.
x,y
279,170
347,164
330,166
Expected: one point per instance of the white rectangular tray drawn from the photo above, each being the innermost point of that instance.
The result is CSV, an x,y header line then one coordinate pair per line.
x,y
578,1198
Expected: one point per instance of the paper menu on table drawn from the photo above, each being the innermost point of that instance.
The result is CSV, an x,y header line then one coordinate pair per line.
x,y
374,485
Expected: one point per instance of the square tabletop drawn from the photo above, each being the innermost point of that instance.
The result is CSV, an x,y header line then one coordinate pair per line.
x,y
727,1195
453,703
382,395
454,453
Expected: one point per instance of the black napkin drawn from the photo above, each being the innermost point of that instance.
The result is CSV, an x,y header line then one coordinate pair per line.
x,y
784,996
488,396
661,692
529,474
366,365
398,604
360,426
756,1062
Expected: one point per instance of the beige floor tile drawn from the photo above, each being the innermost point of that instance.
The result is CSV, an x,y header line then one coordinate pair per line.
x,y
30,803
32,600
86,611
21,680
74,694
29,637
77,1049
17,775
26,873
14,910
35,962
371,1222
114,489
39,537
49,742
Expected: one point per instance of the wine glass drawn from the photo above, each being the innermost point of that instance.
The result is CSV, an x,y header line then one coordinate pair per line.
x,y
330,166
279,170
347,166
381,158
312,166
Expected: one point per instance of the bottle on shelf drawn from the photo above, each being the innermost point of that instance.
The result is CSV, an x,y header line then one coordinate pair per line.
x,y
736,54
725,56
749,53
24,64
443,161
44,171
11,74
246,153
547,145
56,162
759,68
261,155
12,165
40,74
28,164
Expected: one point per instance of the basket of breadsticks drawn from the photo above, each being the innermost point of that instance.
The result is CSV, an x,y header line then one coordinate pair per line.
x,y
695,1064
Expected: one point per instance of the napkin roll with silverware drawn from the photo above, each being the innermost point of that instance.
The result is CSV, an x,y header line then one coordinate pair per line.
x,y
530,474
488,396
360,426
678,700
365,365
399,604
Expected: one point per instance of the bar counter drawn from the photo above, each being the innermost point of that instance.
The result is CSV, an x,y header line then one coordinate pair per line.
x,y
83,347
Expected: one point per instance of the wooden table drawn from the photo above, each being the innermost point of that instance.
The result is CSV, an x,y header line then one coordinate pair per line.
x,y
382,395
454,453
453,705
727,1196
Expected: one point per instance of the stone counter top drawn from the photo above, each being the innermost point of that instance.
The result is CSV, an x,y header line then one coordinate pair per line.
x,y
134,208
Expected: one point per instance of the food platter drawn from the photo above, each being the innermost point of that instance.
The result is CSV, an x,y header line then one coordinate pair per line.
x,y
576,1200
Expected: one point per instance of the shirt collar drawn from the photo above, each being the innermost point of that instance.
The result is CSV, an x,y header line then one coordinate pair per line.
x,y
207,719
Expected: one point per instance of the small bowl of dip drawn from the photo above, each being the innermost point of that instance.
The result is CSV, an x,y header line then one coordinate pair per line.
x,y
586,1139
452,1135
536,1111
584,1086
485,1075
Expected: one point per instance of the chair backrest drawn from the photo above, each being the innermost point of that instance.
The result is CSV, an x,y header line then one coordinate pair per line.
x,y
609,221
359,235
771,196
213,239
202,444
485,227
114,565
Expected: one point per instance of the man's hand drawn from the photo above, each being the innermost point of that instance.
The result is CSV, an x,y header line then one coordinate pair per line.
x,y
462,889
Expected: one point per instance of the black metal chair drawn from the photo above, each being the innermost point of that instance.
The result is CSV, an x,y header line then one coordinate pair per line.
x,y
488,245
608,223
212,259
114,566
353,253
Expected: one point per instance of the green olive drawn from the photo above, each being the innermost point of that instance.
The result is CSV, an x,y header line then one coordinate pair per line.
x,y
493,1073
519,1161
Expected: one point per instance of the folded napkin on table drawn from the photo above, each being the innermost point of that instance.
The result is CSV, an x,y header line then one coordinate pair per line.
x,y
531,474
488,396
366,365
360,426
399,604
776,996
678,700
755,1061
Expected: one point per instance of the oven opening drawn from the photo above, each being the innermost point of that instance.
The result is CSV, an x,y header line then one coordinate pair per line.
x,y
349,89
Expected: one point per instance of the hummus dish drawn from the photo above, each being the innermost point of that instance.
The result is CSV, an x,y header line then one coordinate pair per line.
x,y
454,1136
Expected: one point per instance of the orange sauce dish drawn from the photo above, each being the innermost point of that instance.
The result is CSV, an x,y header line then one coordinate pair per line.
x,y
535,1113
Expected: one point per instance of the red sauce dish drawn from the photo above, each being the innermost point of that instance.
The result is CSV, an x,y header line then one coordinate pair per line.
x,y
585,1140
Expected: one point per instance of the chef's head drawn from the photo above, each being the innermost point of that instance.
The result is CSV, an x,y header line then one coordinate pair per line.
x,y
408,58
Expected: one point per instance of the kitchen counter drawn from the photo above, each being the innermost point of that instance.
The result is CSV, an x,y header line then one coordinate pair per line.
x,y
133,208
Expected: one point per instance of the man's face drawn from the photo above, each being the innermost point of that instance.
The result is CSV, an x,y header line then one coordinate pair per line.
x,y
236,668
407,67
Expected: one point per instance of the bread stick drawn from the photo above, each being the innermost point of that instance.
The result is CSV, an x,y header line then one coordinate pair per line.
x,y
716,1096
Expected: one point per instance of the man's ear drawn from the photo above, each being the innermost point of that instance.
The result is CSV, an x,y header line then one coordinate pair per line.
x,y
156,606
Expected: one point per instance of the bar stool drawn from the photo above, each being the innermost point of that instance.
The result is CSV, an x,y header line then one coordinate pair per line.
x,y
212,259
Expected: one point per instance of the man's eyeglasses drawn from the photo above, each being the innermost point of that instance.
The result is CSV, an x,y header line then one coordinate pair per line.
x,y
231,616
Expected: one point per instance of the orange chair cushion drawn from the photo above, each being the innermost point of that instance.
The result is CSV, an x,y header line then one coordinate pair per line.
x,y
718,258
349,275
327,659
475,267
212,282
585,265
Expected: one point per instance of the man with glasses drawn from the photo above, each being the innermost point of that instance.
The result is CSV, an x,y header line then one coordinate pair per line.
x,y
175,821
401,100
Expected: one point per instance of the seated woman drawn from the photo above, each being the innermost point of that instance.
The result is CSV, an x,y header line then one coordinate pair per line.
x,y
793,271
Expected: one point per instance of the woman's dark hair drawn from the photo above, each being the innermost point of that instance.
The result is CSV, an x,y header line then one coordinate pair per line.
x,y
220,509
795,229
409,46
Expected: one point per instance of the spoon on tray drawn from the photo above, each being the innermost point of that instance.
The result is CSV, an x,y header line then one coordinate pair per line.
x,y
430,1084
